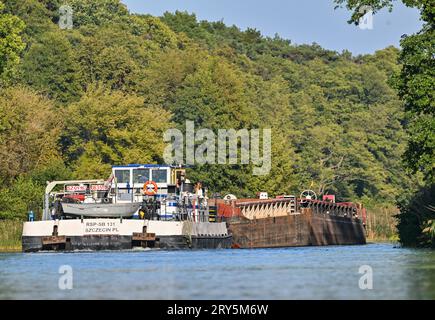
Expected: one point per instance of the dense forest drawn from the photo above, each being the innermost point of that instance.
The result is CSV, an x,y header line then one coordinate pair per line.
x,y
74,102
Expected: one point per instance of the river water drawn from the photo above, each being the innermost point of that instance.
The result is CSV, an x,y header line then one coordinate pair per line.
x,y
288,273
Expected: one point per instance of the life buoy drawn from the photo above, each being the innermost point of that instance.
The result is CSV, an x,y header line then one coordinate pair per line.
x,y
150,188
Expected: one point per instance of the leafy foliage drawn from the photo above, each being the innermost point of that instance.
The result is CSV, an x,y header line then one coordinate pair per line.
x,y
415,84
28,133
417,213
11,43
106,128
107,90
50,67
89,12
22,196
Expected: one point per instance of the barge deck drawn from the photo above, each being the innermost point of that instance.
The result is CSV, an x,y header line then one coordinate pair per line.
x,y
292,223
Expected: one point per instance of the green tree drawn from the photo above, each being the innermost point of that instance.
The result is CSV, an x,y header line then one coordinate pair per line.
x,y
151,28
112,55
416,218
214,97
415,82
416,85
89,12
11,43
29,129
50,66
39,16
106,128
22,196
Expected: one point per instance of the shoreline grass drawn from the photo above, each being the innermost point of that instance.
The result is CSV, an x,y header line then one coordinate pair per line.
x,y
10,235
382,225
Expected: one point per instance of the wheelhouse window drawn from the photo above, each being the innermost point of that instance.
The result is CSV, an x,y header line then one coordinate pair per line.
x,y
141,175
160,176
122,176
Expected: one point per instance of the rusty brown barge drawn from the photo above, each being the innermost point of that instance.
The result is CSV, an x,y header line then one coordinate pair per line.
x,y
292,222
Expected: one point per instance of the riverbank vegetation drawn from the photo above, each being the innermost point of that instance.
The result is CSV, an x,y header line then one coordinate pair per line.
x,y
381,224
10,235
75,101
415,85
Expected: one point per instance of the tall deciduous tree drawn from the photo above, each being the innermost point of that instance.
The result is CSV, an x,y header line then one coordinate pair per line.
x,y
415,83
106,128
11,43
50,66
89,12
29,129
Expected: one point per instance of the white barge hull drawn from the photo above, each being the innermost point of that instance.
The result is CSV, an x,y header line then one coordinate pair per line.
x,y
118,234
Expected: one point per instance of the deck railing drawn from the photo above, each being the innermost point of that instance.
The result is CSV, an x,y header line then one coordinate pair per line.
x,y
257,209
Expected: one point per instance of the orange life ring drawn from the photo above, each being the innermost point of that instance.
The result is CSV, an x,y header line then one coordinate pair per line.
x,y
150,188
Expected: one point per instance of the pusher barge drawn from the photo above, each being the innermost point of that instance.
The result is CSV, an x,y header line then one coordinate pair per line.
x,y
155,206
139,206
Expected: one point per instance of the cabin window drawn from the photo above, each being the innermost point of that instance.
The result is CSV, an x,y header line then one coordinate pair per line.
x,y
160,176
122,176
141,175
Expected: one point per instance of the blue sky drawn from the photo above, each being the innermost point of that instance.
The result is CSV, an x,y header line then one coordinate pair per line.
x,y
301,21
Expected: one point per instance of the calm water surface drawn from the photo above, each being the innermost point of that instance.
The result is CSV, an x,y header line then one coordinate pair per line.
x,y
290,273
